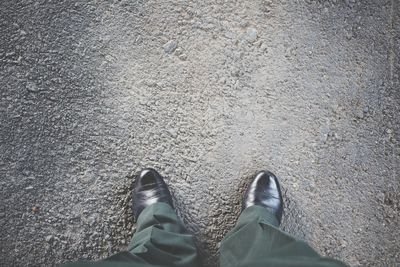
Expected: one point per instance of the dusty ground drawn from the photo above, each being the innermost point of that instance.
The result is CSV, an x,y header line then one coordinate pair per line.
x,y
91,92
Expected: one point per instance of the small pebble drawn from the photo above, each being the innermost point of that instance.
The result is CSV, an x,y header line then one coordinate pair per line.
x,y
9,54
264,47
170,46
251,35
173,132
182,57
35,209
49,238
31,87
178,51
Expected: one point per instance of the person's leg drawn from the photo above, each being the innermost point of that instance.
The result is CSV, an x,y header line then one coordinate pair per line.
x,y
162,239
256,240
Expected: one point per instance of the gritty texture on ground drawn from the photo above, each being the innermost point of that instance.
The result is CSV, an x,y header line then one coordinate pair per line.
x,y
207,92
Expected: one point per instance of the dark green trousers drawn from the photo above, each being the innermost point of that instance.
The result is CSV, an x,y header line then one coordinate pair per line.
x,y
161,239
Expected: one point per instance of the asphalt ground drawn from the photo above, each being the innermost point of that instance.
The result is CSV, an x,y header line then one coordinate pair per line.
x,y
208,93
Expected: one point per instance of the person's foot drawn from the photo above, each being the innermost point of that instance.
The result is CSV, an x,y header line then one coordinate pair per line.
x,y
149,188
265,191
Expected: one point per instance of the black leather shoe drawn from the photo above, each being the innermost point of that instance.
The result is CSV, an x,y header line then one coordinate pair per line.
x,y
265,191
149,188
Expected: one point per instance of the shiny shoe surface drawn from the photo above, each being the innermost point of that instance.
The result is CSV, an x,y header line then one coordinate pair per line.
x,y
149,188
265,191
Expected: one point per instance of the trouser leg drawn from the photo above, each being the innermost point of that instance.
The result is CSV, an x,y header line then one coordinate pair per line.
x,y
162,239
257,241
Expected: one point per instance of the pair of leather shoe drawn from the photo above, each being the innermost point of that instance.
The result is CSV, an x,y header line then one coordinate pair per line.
x,y
264,190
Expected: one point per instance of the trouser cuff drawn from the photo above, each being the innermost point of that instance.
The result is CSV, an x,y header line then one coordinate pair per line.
x,y
260,212
156,208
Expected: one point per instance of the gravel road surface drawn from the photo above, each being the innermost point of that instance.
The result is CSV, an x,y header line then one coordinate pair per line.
x,y
208,93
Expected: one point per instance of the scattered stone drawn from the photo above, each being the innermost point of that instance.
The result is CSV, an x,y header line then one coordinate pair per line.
x,y
258,43
49,238
337,136
32,87
308,185
173,132
9,54
264,47
139,39
35,209
170,46
182,57
109,58
360,114
178,51
324,138
251,35
349,34
230,35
